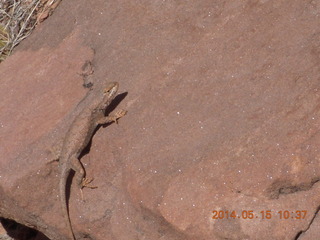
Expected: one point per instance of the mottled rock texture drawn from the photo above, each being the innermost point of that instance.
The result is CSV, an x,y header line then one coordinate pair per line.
x,y
223,101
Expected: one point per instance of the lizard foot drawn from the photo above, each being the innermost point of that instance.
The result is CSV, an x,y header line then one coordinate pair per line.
x,y
118,114
85,183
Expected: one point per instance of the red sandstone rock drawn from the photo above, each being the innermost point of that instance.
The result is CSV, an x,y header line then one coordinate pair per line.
x,y
223,115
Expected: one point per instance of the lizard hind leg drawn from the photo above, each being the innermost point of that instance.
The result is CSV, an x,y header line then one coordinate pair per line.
x,y
54,152
80,175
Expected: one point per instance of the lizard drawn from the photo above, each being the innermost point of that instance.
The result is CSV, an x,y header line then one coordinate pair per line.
x,y
78,137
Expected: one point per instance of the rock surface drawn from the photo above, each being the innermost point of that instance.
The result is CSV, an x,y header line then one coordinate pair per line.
x,y
223,115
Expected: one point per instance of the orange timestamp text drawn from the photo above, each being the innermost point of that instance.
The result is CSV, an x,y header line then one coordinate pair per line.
x,y
264,214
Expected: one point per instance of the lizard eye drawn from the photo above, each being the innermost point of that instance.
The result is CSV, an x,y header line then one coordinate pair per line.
x,y
106,90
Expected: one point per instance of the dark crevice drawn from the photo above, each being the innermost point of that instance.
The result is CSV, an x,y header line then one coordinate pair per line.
x,y
309,225
282,187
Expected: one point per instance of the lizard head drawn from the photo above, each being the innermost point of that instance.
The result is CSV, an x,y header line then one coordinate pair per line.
x,y
109,93
111,89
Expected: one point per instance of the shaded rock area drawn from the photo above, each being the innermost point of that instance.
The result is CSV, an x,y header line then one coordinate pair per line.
x,y
11,230
221,139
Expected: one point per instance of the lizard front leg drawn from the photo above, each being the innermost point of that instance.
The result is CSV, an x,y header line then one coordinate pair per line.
x,y
113,118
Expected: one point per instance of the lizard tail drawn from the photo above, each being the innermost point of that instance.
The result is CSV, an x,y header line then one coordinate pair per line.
x,y
64,205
